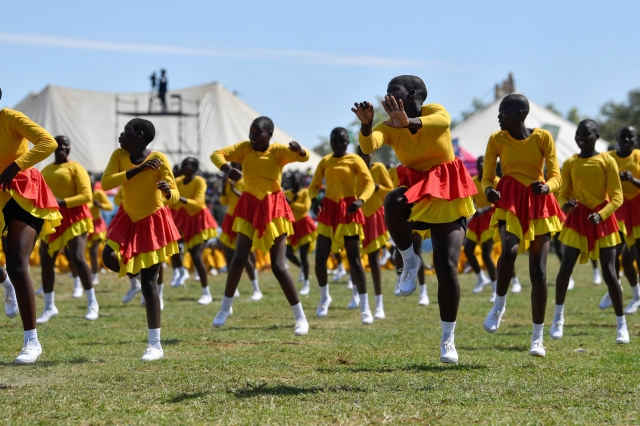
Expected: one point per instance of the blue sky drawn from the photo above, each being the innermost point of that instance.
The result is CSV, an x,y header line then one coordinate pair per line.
x,y
304,63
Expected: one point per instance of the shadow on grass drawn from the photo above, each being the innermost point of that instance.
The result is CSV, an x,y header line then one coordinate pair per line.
x,y
53,363
251,391
187,299
186,396
502,348
266,327
412,367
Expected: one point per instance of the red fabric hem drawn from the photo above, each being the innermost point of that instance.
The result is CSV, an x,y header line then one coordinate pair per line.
x,y
190,226
374,226
261,212
334,214
227,227
31,185
302,228
481,223
69,217
521,201
99,225
629,213
447,181
579,222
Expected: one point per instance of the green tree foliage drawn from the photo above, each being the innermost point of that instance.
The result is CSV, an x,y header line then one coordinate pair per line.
x,y
616,115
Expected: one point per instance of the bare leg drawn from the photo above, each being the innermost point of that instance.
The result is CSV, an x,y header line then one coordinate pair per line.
x,y
76,257
47,268
352,246
251,265
22,238
538,253
375,272
507,260
569,258
292,256
628,259
469,248
417,249
237,264
279,269
487,250
148,282
196,256
607,263
110,260
93,251
304,260
323,250
447,243
397,211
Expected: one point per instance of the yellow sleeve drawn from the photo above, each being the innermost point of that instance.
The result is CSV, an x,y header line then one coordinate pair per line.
x,y
101,197
375,140
197,203
614,189
566,188
113,176
385,184
551,161
239,185
234,153
437,117
490,163
306,200
83,184
316,182
286,156
118,198
166,174
368,185
43,142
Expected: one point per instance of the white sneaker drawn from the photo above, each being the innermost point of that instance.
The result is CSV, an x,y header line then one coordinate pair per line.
x,y
367,318
305,290
39,291
92,312
424,300
630,309
184,277
77,292
623,336
379,314
302,328
597,278
516,287
448,353
301,276
205,299
29,354
46,315
131,294
605,302
397,289
572,283
385,258
408,279
350,284
492,322
354,302
323,307
237,293
10,303
341,273
95,280
493,297
175,278
213,271
257,295
221,317
537,349
480,284
557,329
152,353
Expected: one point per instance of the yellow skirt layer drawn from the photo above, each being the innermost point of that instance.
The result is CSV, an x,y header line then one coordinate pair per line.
x,y
486,235
100,236
84,226
200,238
226,240
342,230
631,237
307,239
549,225
278,226
439,210
376,244
143,260
51,217
571,238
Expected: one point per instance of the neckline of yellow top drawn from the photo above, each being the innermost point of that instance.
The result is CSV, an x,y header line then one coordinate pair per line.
x,y
129,157
508,135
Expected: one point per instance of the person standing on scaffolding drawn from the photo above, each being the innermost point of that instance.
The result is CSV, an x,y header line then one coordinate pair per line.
x,y
162,90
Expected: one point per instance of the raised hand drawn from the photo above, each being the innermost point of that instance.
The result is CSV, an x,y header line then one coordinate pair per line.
x,y
493,196
570,206
595,218
540,188
626,175
295,147
151,164
355,206
398,117
364,112
234,174
164,187
316,208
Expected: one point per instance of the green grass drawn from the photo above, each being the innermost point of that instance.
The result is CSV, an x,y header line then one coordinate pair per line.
x,y
254,371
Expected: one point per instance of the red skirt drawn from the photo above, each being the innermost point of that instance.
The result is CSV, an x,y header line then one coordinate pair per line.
x,y
190,226
334,214
302,228
579,222
69,217
524,204
99,225
479,224
447,181
629,213
259,213
374,226
148,234
30,184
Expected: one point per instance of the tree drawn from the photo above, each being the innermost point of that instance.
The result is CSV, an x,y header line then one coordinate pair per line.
x,y
574,116
551,107
616,115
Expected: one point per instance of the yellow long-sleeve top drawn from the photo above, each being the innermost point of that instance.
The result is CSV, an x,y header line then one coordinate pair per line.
x,y
300,207
393,172
480,198
230,198
194,192
262,171
430,146
380,176
15,132
100,196
591,181
341,176
522,160
632,164
140,195
69,182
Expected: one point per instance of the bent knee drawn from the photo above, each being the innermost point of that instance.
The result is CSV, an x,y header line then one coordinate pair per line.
x,y
396,200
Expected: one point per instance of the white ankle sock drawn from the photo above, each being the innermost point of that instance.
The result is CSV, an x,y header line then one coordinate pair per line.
x,y
154,337
324,292
226,303
423,289
298,312
481,275
206,291
49,300
501,302
538,329
91,296
354,291
306,283
364,302
76,282
7,284
31,336
494,285
255,285
515,280
621,321
409,258
134,282
160,288
379,304
635,290
448,330
559,312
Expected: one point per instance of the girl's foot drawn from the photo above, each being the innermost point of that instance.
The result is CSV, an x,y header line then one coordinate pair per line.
x,y
152,353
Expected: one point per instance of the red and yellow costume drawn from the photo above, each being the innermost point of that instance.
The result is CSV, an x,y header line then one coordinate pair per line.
x,y
142,233
304,228
393,173
479,230
193,219
525,213
262,212
69,182
341,190
375,229
28,188
595,183
439,186
230,199
628,215
99,225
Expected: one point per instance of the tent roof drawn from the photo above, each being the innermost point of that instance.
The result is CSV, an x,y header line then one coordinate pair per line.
x,y
474,132
90,121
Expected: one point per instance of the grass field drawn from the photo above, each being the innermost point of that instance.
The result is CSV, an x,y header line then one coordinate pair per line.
x,y
254,371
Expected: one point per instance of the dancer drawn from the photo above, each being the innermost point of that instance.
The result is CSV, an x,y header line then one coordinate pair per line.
x,y
28,212
435,191
304,230
590,194
194,220
526,213
99,235
262,217
340,218
71,186
628,160
142,235
375,230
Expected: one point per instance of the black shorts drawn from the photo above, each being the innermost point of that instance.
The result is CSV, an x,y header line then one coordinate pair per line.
x,y
13,211
423,226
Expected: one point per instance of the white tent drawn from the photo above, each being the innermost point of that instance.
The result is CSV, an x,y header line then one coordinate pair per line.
x,y
91,122
473,133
